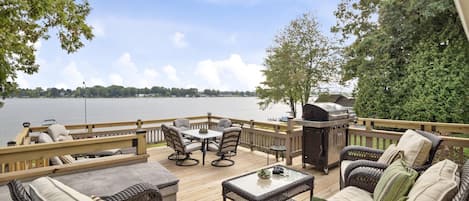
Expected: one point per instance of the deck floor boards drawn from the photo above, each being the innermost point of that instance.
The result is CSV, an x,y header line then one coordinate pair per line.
x,y
204,182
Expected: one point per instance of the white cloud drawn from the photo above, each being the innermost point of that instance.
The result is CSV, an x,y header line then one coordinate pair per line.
x,y
73,77
96,81
22,81
61,86
178,40
231,73
170,71
98,28
116,79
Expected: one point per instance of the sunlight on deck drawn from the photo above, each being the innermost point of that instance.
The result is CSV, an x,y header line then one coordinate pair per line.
x,y
204,182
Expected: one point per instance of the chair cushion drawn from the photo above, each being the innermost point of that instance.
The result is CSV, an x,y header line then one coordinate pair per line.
x,y
389,155
343,165
46,188
439,182
351,193
45,138
67,159
57,130
64,138
416,148
395,182
193,147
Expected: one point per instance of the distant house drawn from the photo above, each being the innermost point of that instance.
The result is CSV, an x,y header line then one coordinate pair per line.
x,y
336,98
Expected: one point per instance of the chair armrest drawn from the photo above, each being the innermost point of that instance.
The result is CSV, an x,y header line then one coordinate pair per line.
x,y
365,178
137,192
369,165
360,153
17,191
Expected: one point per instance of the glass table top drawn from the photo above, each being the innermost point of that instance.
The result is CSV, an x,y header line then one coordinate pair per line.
x,y
195,133
256,186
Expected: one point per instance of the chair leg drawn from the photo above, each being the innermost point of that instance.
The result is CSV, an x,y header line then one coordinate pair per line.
x,y
173,156
182,162
217,163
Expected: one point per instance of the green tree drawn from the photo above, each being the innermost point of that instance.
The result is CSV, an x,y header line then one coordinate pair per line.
x,y
297,63
23,23
410,57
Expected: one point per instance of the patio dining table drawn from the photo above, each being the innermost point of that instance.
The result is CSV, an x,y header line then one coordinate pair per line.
x,y
204,137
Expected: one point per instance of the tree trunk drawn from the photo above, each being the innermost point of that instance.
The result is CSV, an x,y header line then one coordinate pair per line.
x,y
292,107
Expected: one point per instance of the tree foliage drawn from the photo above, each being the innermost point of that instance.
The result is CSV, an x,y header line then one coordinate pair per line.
x,y
296,64
23,23
411,58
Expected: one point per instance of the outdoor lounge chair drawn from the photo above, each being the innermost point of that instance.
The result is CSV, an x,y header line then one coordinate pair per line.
x,y
442,184
222,124
183,149
353,157
182,124
137,192
169,141
227,147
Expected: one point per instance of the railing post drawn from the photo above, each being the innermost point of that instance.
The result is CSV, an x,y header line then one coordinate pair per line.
x,y
251,135
90,128
139,123
141,142
288,141
209,120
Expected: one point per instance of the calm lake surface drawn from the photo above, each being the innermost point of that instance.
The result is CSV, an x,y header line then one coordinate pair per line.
x,y
72,110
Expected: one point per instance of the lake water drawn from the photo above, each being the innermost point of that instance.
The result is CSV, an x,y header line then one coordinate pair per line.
x,y
72,110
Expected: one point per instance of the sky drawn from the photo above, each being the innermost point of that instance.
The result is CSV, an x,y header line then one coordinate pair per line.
x,y
205,44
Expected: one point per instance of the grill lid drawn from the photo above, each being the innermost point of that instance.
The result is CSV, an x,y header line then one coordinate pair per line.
x,y
324,112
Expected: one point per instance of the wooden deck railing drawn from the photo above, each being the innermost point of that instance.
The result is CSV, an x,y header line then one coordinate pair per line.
x,y
375,133
258,135
32,160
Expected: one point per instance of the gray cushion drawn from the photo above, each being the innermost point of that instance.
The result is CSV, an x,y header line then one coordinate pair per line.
x,y
193,147
114,179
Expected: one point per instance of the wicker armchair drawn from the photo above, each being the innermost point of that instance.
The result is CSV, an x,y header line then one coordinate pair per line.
x,y
137,192
358,156
366,178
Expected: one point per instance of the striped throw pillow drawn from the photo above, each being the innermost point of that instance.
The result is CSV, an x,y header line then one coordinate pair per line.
x,y
389,155
395,182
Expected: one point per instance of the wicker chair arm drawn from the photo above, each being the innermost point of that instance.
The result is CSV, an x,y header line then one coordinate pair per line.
x,y
360,153
137,192
364,178
380,167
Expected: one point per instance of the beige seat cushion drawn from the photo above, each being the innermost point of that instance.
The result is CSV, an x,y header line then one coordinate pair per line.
x,y
389,155
343,165
351,193
45,138
57,130
439,183
416,148
48,189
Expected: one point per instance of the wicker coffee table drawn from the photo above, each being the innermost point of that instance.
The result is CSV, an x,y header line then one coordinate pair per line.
x,y
279,187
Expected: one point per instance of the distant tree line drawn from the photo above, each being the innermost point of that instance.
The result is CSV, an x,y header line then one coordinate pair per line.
x,y
115,91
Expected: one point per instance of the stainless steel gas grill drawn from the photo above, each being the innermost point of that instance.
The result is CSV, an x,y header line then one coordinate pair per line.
x,y
324,134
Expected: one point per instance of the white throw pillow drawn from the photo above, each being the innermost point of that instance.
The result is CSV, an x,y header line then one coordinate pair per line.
x,y
57,130
48,189
416,148
439,183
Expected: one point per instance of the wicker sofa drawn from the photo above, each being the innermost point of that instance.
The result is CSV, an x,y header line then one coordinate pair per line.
x,y
358,187
109,181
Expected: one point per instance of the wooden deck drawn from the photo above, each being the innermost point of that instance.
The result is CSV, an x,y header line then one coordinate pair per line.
x,y
204,182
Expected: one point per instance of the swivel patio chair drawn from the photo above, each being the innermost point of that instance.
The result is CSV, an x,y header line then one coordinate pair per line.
x,y
353,157
222,124
169,141
227,147
182,124
183,149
